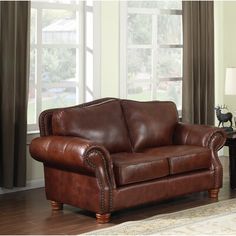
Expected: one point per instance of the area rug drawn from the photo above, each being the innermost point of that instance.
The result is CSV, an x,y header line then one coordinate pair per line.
x,y
212,219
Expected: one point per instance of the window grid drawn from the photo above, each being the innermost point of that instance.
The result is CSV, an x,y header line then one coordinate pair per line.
x,y
79,46
154,46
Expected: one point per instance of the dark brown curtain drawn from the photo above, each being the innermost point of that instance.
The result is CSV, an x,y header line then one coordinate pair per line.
x,y
14,53
198,62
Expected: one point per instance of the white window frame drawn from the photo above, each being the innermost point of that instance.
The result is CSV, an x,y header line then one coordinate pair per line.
x,y
124,11
82,8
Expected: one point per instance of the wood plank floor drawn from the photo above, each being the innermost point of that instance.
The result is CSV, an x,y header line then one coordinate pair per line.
x,y
28,212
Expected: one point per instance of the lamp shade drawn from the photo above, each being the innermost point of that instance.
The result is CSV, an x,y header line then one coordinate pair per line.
x,y
230,81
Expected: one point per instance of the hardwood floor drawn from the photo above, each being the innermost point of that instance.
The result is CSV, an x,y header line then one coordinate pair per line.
x,y
28,212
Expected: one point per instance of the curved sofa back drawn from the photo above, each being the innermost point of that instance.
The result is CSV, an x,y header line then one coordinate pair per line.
x,y
119,125
45,118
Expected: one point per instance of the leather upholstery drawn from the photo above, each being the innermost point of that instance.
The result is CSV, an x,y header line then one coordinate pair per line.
x,y
74,154
64,186
103,157
200,135
183,158
155,163
190,162
103,123
45,118
205,136
160,189
137,167
150,124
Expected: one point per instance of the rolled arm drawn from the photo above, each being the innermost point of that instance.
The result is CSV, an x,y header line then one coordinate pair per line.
x,y
200,135
74,153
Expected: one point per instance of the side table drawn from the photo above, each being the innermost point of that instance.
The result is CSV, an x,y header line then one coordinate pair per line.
x,y
231,143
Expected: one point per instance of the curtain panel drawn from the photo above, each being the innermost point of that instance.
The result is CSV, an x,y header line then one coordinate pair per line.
x,y
14,67
198,62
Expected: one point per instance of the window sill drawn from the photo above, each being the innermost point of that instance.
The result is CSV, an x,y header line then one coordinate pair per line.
x,y
31,135
32,132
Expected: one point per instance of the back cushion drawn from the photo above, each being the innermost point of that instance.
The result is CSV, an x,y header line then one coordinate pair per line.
x,y
150,124
102,123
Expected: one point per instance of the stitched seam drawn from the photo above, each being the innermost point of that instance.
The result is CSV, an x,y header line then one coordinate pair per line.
x,y
43,121
217,148
213,136
131,135
43,118
142,162
102,193
95,104
102,197
156,101
127,127
163,158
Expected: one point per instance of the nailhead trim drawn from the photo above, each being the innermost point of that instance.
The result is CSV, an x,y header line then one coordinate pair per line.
x,y
212,139
220,144
43,118
91,164
46,130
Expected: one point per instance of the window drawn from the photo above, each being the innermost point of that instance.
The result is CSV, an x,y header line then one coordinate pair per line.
x,y
62,55
151,50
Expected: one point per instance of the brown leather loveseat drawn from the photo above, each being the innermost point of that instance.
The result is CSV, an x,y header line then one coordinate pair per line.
x,y
112,154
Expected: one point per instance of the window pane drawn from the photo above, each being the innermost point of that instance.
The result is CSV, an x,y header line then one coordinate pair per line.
x,y
151,62
89,30
59,78
139,29
139,91
89,97
59,26
170,91
33,26
64,1
169,62
32,91
139,67
89,70
169,29
156,4
89,3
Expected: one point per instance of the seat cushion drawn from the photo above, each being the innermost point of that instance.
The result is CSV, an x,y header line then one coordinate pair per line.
x,y
102,123
137,167
154,163
183,158
150,124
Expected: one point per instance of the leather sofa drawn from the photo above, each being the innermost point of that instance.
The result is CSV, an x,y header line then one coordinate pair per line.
x,y
112,154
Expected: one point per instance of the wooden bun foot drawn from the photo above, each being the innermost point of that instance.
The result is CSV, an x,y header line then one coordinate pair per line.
x,y
213,193
103,218
56,206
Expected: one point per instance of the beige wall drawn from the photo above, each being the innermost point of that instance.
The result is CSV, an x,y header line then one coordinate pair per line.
x,y
225,50
229,45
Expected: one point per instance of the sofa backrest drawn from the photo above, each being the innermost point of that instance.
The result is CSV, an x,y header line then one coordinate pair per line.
x,y
45,118
150,124
142,124
102,123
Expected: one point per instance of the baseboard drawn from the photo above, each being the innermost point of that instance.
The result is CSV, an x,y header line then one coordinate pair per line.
x,y
37,183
